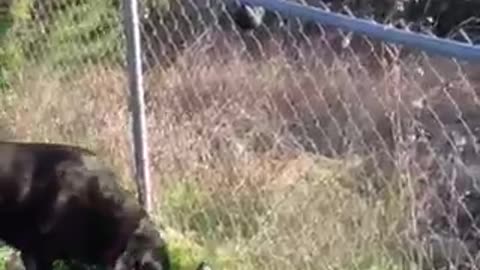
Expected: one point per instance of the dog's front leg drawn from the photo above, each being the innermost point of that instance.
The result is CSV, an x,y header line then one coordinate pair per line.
x,y
32,262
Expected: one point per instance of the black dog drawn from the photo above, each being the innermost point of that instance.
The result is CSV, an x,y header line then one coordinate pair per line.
x,y
58,202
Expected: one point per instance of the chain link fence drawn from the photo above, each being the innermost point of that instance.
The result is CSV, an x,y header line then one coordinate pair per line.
x,y
290,145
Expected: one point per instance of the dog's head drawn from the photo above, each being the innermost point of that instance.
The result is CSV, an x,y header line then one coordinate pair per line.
x,y
146,250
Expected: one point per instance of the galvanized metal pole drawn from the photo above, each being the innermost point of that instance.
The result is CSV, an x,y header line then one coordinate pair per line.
x,y
137,103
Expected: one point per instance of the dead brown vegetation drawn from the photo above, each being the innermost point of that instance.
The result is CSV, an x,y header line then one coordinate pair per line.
x,y
247,132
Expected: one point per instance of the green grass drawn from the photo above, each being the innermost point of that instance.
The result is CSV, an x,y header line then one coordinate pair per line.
x,y
256,230
5,25
250,232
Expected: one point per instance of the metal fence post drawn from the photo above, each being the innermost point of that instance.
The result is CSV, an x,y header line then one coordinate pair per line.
x,y
137,103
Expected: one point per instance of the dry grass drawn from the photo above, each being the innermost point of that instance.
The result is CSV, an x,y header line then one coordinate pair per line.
x,y
231,144
43,107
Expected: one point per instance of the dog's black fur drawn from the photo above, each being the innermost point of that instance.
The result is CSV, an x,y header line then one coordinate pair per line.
x,y
58,202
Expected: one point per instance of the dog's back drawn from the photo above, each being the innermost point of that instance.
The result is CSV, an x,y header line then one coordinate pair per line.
x,y
95,218
29,185
59,202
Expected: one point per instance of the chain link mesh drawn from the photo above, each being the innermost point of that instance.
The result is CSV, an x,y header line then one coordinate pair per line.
x,y
290,146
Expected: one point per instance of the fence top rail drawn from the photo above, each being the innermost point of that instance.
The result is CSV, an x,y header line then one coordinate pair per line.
x,y
427,43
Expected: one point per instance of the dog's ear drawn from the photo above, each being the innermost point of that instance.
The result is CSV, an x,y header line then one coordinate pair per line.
x,y
156,259
147,235
123,263
146,250
203,266
147,259
152,250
